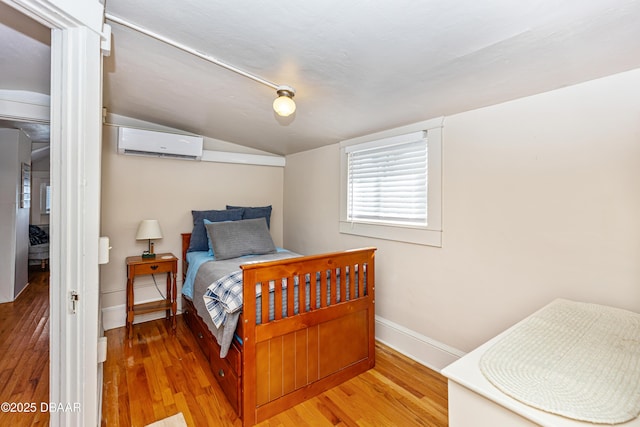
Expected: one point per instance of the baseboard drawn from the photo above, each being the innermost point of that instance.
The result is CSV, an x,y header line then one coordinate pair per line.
x,y
21,291
422,349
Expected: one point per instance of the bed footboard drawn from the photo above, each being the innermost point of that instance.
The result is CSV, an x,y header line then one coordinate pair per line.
x,y
306,348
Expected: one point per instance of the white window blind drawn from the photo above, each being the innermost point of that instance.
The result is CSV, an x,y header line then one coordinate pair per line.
x,y
387,181
47,203
45,198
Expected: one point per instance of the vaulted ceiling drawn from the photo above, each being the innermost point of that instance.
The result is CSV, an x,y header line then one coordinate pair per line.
x,y
357,66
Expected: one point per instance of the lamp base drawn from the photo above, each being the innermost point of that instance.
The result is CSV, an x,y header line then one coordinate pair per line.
x,y
147,255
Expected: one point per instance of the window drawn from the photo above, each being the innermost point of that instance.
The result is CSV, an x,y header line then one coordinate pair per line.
x,y
391,184
388,183
45,198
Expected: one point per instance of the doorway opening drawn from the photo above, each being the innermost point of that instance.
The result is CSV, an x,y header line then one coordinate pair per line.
x,y
25,46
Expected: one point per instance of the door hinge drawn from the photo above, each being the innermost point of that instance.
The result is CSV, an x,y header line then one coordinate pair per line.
x,y
73,296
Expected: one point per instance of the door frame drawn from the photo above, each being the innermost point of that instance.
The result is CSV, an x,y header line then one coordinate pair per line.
x,y
76,139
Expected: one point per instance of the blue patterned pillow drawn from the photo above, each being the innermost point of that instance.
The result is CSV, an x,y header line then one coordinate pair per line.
x,y
257,212
199,241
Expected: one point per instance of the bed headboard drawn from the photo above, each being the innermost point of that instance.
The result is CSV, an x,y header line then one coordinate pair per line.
x,y
186,239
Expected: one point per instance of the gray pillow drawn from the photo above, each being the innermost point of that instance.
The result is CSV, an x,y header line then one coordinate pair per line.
x,y
199,234
238,238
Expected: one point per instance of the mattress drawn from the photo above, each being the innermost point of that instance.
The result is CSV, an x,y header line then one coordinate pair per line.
x,y
207,272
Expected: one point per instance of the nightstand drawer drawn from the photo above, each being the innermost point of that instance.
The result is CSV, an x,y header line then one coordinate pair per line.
x,y
153,268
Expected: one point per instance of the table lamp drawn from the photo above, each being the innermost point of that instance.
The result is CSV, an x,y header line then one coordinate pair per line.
x,y
147,230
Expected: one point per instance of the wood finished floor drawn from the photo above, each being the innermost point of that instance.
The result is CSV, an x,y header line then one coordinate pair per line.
x,y
156,375
24,353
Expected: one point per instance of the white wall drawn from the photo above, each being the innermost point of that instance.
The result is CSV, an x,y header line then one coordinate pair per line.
x,y
15,149
136,188
8,209
541,199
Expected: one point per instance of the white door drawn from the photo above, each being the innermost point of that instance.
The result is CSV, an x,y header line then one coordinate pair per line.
x,y
75,216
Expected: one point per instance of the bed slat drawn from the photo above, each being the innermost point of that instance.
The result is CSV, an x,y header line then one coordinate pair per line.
x,y
323,289
313,297
290,296
334,289
265,307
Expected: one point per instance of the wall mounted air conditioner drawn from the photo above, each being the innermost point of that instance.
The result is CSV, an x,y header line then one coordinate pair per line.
x,y
159,144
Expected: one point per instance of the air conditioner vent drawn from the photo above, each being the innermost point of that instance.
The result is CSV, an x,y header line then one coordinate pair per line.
x,y
154,154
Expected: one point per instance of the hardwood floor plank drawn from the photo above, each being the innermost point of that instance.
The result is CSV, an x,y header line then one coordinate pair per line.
x,y
368,412
24,353
157,374
368,400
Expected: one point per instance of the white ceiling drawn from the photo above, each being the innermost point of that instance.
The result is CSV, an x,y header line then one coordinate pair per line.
x,y
357,66
24,52
25,58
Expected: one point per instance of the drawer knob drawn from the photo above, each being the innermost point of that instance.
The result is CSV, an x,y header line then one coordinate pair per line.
x,y
221,373
200,335
154,267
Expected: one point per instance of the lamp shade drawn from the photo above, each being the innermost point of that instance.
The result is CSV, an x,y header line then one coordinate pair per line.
x,y
149,229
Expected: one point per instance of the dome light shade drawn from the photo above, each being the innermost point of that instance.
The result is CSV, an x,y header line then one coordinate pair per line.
x,y
284,105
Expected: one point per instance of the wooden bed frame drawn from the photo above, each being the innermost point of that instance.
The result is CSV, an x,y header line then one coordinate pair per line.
x,y
287,360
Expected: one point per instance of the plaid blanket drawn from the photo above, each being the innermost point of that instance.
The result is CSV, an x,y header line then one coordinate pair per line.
x,y
223,297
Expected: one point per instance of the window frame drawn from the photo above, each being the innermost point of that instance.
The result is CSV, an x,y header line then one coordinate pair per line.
x,y
429,235
45,198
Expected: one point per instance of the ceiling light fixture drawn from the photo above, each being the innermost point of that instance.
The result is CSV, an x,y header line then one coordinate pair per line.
x,y
283,105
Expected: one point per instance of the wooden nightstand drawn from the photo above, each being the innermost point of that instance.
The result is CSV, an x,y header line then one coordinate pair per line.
x,y
138,266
